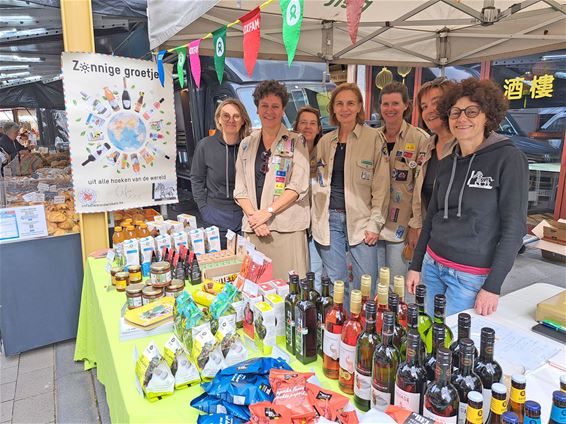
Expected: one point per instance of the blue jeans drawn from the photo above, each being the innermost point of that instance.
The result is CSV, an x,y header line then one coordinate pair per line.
x,y
460,288
315,265
335,265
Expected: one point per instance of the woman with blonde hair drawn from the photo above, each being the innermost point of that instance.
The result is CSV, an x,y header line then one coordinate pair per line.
x,y
350,192
213,171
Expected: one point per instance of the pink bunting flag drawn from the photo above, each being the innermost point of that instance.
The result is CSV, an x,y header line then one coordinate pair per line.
x,y
194,60
353,15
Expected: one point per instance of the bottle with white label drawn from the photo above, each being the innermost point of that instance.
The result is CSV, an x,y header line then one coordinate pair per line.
x,y
385,362
350,333
410,384
464,378
332,333
365,348
441,401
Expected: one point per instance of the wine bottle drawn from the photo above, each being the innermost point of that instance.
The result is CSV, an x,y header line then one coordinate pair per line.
x,y
474,411
410,383
139,103
154,108
413,326
126,100
96,104
382,305
517,397
558,411
438,335
111,99
509,417
305,329
365,348
487,369
399,333
365,288
313,294
333,332
498,404
464,325
441,400
385,363
350,333
94,155
384,277
399,288
532,412
425,322
439,310
464,378
323,305
290,301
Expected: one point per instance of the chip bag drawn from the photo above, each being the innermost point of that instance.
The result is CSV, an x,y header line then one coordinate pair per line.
x,y
236,354
219,419
182,368
266,412
289,389
213,405
154,374
327,403
403,416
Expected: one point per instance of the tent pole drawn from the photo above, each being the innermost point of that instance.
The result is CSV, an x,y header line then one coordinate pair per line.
x,y
78,36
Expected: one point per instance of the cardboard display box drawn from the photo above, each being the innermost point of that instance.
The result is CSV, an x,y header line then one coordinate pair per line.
x,y
553,309
555,232
549,249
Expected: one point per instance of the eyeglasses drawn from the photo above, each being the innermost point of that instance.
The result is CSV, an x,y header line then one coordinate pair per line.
x,y
265,158
470,112
226,117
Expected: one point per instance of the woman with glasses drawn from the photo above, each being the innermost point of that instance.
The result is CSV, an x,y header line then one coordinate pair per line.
x,y
272,185
350,192
213,171
477,214
406,147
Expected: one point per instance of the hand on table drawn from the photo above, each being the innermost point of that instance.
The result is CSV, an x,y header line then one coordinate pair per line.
x,y
258,218
371,238
262,231
413,237
486,302
413,278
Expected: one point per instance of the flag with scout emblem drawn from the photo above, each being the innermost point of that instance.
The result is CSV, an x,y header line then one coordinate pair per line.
x,y
219,41
250,25
292,13
194,60
182,55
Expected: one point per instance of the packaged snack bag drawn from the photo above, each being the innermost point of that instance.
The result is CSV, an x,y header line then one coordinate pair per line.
x,y
289,389
219,419
182,368
154,374
327,403
213,405
267,412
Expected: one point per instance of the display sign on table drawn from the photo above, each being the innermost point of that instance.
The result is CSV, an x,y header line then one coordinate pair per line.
x,y
122,132
21,223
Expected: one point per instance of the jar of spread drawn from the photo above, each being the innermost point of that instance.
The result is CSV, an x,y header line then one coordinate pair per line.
x,y
136,279
151,294
175,288
135,273
134,295
122,280
113,271
160,274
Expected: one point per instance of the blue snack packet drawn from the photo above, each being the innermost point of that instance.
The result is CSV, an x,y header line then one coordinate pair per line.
x,y
255,366
219,419
214,405
241,389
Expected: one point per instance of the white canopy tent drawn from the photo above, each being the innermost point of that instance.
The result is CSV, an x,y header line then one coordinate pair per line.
x,y
392,32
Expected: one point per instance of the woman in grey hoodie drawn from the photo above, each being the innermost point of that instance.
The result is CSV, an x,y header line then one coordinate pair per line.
x,y
213,169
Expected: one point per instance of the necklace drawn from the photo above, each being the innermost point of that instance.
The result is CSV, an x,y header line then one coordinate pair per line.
x,y
341,146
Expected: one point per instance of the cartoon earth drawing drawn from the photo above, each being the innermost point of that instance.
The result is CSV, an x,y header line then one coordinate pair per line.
x,y
127,131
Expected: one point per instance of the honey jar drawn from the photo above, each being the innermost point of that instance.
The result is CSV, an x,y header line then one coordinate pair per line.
x,y
160,274
175,288
122,280
135,273
134,295
151,294
113,271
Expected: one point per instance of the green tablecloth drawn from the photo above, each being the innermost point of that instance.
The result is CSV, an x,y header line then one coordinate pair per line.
x,y
99,345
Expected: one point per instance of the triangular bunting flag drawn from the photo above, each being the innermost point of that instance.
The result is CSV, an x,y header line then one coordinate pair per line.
x,y
292,13
194,60
353,15
219,40
182,52
160,71
250,24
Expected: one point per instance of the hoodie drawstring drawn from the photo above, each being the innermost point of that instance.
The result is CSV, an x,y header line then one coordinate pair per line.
x,y
461,195
464,186
227,189
449,187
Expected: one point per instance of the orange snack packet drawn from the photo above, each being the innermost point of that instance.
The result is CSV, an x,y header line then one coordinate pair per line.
x,y
266,412
327,403
289,389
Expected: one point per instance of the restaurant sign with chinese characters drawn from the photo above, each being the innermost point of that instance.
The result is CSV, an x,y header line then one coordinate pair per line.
x,y
519,88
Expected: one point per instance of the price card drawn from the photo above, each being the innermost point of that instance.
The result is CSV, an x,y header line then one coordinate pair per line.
x,y
30,197
110,259
43,187
257,257
53,187
39,197
59,199
230,234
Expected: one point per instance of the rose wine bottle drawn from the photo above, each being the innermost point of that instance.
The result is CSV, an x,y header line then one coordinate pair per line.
x,y
365,348
350,333
441,400
333,332
399,288
385,362
365,288
384,277
410,384
382,305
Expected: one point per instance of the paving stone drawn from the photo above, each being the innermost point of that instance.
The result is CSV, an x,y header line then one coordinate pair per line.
x,y
73,390
36,359
64,359
9,361
8,375
34,383
103,411
35,409
7,391
7,411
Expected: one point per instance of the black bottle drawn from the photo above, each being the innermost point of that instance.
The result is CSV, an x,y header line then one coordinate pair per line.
x,y
290,301
437,331
441,401
410,385
487,369
413,326
323,305
464,378
464,326
313,294
305,327
399,333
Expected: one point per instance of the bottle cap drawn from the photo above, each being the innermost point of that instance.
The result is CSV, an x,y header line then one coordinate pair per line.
x,y
464,320
413,338
355,301
371,307
533,406
130,228
439,300
388,318
393,302
338,291
558,396
304,285
519,378
499,388
310,275
509,417
412,309
488,334
438,332
420,291
443,356
476,397
295,278
117,229
325,281
384,275
365,284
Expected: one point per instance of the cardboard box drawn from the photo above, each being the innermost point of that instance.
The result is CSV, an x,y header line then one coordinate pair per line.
x,y
553,309
555,232
249,312
212,239
266,288
197,241
222,273
264,323
550,250
278,305
281,287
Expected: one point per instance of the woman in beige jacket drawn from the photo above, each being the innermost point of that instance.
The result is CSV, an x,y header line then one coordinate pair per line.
x,y
351,191
272,185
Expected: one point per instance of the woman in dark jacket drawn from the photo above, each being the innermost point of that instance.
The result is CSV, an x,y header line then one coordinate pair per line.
x,y
213,169
477,215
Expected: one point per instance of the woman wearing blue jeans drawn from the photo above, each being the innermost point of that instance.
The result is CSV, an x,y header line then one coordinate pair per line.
x,y
476,218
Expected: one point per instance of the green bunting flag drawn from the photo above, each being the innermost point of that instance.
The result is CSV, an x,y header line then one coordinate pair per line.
x,y
219,40
182,53
292,13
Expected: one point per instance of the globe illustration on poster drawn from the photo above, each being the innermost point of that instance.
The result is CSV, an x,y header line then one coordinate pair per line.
x,y
127,131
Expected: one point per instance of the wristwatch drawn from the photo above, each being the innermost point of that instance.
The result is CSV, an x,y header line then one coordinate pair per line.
x,y
270,210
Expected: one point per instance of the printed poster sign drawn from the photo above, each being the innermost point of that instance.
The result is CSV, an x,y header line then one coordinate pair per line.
x,y
122,132
24,222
